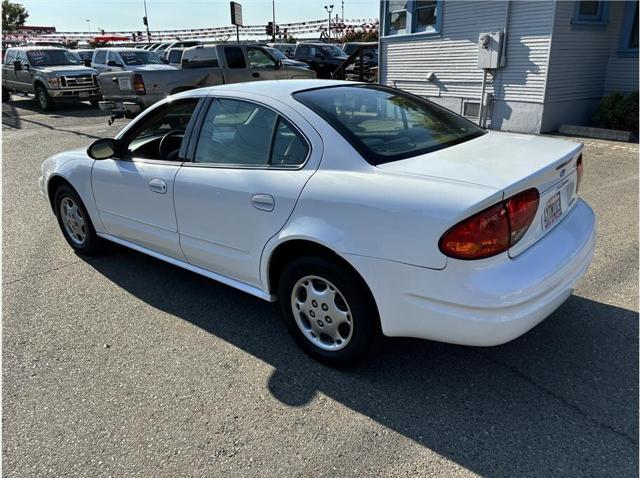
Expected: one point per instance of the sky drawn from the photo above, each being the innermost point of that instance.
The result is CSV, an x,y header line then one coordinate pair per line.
x,y
115,15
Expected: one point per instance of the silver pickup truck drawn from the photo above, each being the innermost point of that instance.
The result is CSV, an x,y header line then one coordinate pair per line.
x,y
126,93
51,74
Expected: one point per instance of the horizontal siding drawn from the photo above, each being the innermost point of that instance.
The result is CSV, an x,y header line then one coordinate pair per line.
x,y
622,75
453,57
583,61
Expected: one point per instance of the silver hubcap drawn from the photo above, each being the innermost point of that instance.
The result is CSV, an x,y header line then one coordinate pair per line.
x,y
322,313
73,221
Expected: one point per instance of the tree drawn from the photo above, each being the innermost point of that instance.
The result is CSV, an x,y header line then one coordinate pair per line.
x,y
359,36
13,16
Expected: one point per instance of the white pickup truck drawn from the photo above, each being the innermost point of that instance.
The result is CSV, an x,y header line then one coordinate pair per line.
x,y
126,93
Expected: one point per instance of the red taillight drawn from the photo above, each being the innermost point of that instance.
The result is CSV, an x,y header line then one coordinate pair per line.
x,y
493,230
138,85
579,171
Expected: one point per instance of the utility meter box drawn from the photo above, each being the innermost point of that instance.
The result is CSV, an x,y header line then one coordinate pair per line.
x,y
489,49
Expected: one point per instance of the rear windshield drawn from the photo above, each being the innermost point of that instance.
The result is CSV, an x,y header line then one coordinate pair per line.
x,y
385,124
140,57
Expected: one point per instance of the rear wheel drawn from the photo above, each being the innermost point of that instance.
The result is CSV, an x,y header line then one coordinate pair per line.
x,y
6,96
44,100
328,311
75,222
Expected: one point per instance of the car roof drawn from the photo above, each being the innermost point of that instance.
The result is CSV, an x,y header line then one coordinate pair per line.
x,y
276,89
35,47
116,48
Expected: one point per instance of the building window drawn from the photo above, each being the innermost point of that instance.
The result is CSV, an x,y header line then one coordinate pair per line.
x,y
629,35
397,16
471,109
591,13
404,17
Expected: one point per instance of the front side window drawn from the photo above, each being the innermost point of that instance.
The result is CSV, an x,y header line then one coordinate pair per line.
x,y
159,135
52,58
113,57
259,59
235,57
412,16
385,124
241,133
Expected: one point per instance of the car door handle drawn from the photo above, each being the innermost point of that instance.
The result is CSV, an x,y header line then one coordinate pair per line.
x,y
256,74
264,202
158,186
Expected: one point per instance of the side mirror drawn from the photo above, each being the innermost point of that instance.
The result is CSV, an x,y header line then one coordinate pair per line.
x,y
86,62
279,64
114,63
103,148
318,55
17,65
164,61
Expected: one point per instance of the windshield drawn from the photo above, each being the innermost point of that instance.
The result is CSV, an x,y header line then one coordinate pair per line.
x,y
331,50
139,57
385,124
277,54
52,58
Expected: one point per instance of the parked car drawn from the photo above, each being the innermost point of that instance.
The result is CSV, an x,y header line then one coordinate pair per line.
x,y
85,55
126,59
181,44
287,48
160,49
50,74
323,58
278,55
363,210
129,92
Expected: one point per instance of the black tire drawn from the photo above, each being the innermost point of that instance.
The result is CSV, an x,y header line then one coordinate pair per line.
x,y
44,100
364,324
91,243
6,96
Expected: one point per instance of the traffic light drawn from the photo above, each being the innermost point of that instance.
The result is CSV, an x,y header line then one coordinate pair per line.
x,y
269,28
145,21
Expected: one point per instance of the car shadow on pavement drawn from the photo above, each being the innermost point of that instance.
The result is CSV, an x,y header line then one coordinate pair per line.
x,y
563,399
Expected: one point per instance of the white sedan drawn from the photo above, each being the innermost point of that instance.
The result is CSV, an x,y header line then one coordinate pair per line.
x,y
363,210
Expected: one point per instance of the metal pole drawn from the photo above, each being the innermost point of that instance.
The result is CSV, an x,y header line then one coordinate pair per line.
x,y
147,25
329,26
342,12
273,11
482,106
237,34
89,26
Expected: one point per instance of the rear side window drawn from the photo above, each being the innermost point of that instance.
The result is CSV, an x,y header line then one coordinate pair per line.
x,y
175,56
241,133
235,57
385,124
100,56
302,51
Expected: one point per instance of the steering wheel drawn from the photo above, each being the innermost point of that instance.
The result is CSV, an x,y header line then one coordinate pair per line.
x,y
165,155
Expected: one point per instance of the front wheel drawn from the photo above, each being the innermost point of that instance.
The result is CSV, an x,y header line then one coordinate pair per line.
x,y
44,100
75,222
328,310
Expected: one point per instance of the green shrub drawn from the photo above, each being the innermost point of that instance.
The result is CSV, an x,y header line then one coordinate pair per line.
x,y
618,111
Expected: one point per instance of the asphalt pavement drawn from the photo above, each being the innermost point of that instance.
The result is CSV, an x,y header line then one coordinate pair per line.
x,y
122,365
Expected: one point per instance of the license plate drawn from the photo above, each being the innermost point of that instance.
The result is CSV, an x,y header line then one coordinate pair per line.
x,y
83,94
124,83
552,211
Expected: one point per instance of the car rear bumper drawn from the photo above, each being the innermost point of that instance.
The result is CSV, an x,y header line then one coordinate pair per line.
x,y
486,302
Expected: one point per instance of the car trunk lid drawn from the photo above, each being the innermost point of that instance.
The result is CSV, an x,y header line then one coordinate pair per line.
x,y
511,163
